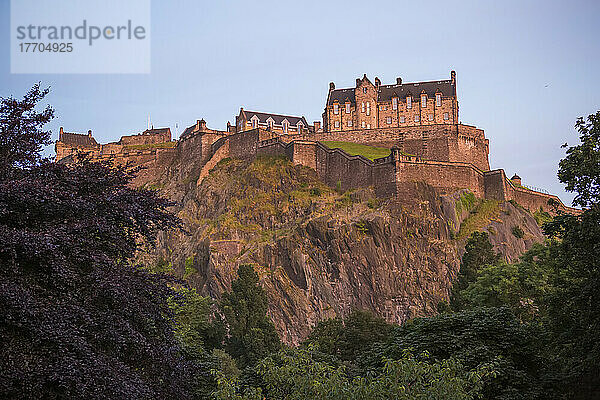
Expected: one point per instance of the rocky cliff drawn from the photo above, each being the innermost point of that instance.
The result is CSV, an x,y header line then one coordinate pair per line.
x,y
320,252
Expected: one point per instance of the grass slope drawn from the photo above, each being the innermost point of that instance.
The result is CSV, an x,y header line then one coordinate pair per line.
x,y
356,149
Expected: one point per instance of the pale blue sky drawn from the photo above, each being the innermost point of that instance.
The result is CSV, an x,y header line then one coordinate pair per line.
x,y
525,69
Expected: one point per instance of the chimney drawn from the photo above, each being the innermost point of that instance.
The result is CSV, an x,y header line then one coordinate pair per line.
x,y
453,77
398,81
317,125
331,85
357,82
60,134
90,133
377,82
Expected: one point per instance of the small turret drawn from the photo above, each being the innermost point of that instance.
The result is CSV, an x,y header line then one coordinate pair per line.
x,y
90,133
331,86
377,82
453,77
516,180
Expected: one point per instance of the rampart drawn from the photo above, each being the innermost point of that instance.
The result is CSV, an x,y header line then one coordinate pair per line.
x,y
442,142
388,176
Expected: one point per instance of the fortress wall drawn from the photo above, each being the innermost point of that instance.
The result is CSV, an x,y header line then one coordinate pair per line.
x,y
220,154
446,176
495,185
146,139
192,148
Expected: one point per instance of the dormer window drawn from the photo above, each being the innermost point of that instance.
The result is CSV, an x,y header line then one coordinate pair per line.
x,y
299,126
395,103
285,126
408,102
438,99
336,108
270,123
347,108
423,100
254,121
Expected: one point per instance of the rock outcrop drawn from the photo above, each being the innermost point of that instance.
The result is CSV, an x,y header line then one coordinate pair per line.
x,y
320,252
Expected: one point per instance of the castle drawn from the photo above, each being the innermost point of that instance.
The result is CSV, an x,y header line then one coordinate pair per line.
x,y
418,122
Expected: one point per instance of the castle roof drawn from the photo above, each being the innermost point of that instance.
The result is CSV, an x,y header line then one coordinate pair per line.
x,y
156,131
77,139
386,92
277,118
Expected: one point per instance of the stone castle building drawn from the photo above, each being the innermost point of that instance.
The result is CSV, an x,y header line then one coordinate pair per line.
x,y
282,124
418,122
370,106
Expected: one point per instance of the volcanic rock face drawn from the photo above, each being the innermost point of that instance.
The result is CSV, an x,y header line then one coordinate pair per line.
x,y
321,253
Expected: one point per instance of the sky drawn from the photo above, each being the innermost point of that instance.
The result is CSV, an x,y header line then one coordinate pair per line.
x,y
526,70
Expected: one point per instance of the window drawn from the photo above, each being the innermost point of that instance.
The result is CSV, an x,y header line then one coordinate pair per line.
x,y
364,90
368,126
349,122
423,100
417,118
402,120
347,108
362,107
408,102
430,117
285,126
395,103
368,108
270,124
446,117
362,124
254,122
438,99
389,120
337,124
336,108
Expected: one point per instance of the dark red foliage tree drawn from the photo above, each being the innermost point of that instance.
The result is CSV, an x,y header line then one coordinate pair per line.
x,y
77,319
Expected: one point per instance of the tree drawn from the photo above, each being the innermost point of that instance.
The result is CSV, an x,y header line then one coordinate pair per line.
x,y
347,338
302,374
580,169
485,337
78,320
522,286
21,130
251,333
478,254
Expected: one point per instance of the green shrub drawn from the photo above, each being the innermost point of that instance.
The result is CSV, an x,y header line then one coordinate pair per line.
x,y
518,231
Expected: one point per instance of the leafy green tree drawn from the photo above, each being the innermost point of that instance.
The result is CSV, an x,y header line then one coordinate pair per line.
x,y
479,253
573,311
347,338
475,338
296,374
522,286
195,327
580,169
251,334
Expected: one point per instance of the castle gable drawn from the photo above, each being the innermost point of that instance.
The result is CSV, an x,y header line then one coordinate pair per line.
x,y
77,139
277,118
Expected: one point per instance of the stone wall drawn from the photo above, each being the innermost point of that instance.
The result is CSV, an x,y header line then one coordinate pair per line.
x,y
146,138
441,142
